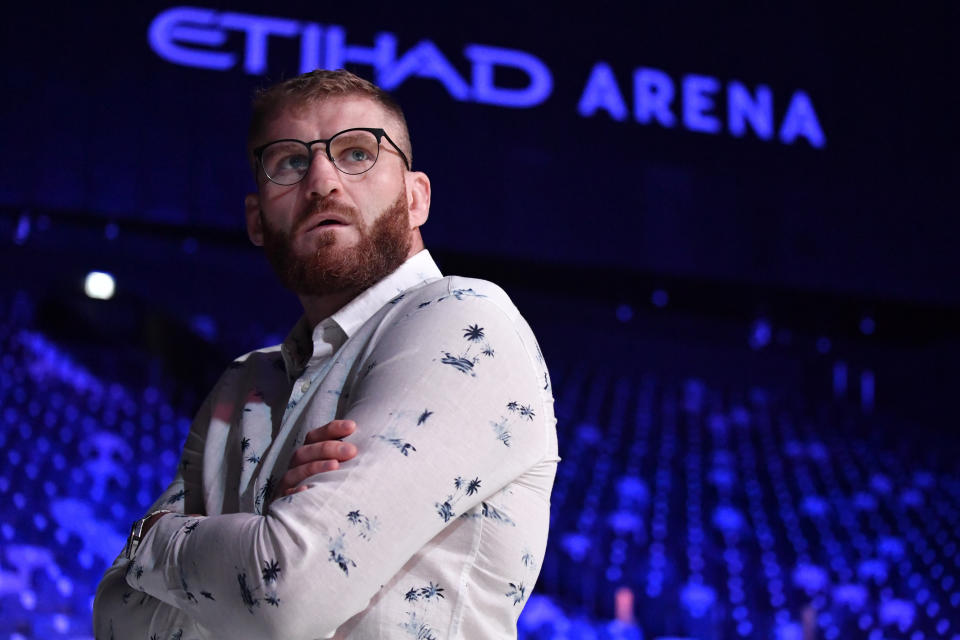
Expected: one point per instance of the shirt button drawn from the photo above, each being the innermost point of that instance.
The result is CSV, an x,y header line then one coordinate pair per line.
x,y
305,386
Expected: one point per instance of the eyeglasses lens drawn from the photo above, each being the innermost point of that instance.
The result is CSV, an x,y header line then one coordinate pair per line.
x,y
286,162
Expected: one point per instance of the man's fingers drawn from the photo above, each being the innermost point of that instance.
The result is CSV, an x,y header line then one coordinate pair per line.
x,y
321,451
329,450
333,430
296,475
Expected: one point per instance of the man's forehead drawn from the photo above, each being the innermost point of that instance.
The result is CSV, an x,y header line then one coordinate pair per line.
x,y
329,115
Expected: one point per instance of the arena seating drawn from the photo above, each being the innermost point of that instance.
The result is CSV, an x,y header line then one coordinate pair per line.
x,y
683,508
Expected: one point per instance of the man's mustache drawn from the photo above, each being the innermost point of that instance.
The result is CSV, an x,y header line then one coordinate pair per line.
x,y
326,206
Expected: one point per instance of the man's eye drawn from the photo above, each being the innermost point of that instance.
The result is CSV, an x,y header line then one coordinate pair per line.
x,y
356,155
298,162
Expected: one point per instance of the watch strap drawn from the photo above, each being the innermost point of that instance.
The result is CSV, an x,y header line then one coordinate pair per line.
x,y
136,532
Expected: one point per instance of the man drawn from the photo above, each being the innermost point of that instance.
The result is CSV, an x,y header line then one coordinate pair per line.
x,y
437,528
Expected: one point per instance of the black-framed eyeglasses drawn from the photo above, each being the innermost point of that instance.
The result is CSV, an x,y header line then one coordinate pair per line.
x,y
352,151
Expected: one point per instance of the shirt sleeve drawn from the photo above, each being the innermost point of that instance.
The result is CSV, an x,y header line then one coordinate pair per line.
x,y
450,406
120,608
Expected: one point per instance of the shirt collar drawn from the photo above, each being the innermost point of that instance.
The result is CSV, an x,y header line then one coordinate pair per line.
x,y
303,344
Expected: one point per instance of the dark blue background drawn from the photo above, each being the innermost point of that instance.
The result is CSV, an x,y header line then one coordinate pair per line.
x,y
94,122
752,345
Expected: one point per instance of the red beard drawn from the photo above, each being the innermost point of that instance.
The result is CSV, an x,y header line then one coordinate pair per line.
x,y
382,247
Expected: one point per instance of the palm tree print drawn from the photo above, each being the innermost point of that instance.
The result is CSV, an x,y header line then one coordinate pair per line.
x,y
528,560
464,363
445,508
403,446
366,526
188,529
518,592
460,363
473,486
473,333
417,628
460,294
337,555
246,594
273,600
431,591
423,417
502,428
491,512
264,492
271,571
502,431
178,496
244,444
208,595
186,590
417,625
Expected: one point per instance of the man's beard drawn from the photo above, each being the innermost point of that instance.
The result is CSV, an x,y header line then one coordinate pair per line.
x,y
383,246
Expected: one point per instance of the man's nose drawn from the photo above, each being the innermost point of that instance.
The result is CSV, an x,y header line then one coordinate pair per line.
x,y
322,177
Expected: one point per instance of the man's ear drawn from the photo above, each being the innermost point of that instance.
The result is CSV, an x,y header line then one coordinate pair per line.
x,y
251,206
418,197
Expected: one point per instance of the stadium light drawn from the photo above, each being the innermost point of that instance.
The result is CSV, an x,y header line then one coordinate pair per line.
x,y
99,285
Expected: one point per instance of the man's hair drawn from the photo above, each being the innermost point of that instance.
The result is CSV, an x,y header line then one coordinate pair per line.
x,y
316,86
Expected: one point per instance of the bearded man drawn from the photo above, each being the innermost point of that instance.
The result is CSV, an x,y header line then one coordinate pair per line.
x,y
386,471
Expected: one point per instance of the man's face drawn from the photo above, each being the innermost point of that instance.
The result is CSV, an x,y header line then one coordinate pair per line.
x,y
333,232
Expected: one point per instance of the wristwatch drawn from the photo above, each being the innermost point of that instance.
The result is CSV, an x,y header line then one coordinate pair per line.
x,y
136,533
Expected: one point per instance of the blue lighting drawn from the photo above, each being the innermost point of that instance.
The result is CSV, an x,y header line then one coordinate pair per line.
x,y
659,298
22,231
823,345
204,326
867,326
697,598
173,30
866,390
602,92
624,313
698,104
485,58
760,333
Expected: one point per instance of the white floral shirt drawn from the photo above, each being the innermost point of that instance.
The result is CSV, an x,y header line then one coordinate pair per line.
x,y
435,530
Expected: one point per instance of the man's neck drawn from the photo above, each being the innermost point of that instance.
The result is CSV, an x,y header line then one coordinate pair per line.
x,y
318,308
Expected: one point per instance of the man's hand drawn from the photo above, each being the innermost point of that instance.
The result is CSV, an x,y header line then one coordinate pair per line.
x,y
321,451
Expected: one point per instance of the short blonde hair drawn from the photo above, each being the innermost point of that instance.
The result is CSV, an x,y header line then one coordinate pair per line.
x,y
316,86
